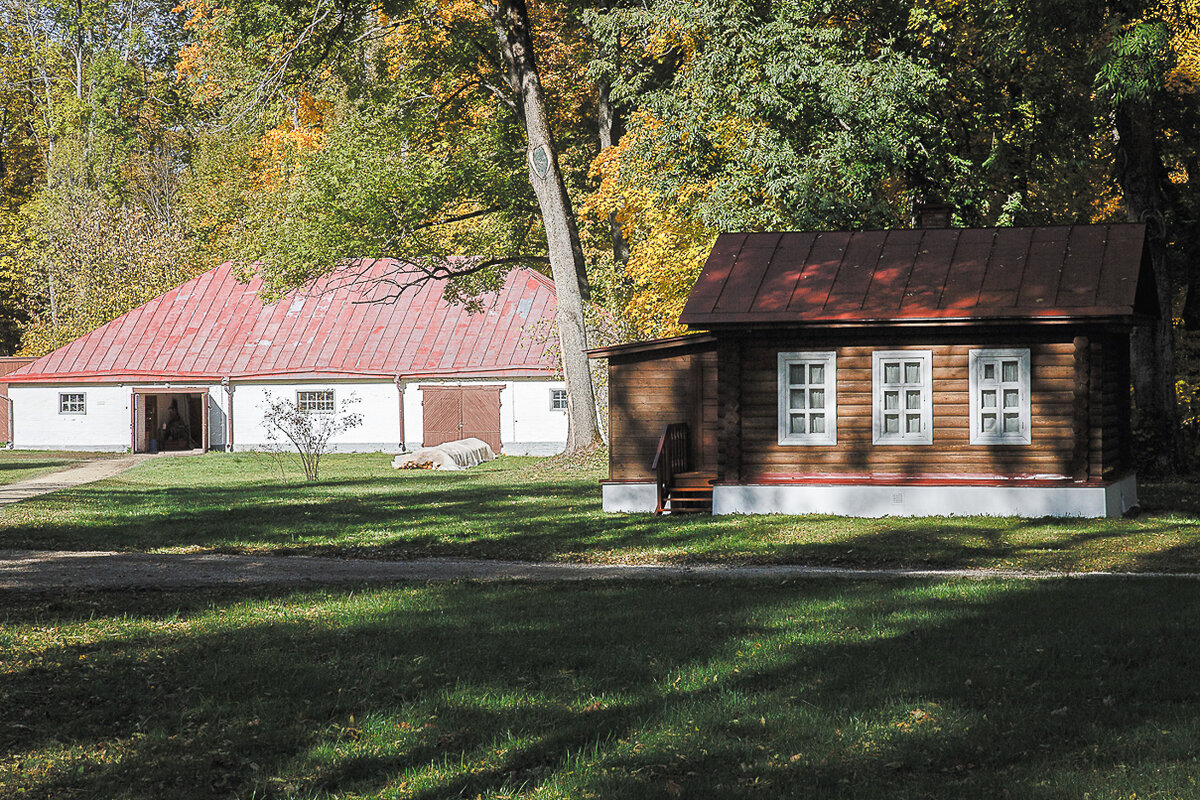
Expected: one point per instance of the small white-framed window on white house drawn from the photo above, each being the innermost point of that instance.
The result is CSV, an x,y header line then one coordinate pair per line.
x,y
319,402
558,399
72,403
808,398
902,405
1000,403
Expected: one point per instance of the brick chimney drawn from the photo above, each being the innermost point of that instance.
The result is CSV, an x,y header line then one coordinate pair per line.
x,y
931,214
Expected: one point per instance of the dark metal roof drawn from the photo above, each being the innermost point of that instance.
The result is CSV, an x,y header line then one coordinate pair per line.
x,y
343,326
909,276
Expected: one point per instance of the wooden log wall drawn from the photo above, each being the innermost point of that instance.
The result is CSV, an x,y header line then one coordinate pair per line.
x,y
1057,418
647,395
1080,411
1109,437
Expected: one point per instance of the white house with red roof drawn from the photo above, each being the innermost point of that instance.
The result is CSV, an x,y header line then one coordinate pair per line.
x,y
193,369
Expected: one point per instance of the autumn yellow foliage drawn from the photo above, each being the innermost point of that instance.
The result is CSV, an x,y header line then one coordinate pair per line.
x,y
668,244
1183,21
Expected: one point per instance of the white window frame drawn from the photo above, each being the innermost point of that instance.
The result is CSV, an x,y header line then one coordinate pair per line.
x,y
880,388
300,401
66,406
826,359
553,393
978,384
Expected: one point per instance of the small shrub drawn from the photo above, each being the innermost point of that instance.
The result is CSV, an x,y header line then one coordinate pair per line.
x,y
309,432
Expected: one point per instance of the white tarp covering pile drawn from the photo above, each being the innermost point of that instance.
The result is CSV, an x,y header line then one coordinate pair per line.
x,y
449,456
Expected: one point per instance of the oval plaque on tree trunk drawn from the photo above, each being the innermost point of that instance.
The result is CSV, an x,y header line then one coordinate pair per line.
x,y
541,161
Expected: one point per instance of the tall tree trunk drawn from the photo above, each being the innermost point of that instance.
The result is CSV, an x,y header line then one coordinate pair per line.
x,y
1187,237
1140,175
511,20
610,133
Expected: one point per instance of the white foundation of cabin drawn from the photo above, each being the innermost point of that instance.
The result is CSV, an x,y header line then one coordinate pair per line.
x,y
629,498
1110,500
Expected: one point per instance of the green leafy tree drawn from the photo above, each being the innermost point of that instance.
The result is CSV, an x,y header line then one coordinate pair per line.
x,y
440,140
97,232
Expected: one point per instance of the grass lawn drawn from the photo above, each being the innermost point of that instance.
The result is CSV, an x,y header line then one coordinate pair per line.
x,y
513,509
17,465
820,689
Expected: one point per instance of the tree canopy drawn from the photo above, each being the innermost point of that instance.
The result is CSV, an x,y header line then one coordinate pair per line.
x,y
605,143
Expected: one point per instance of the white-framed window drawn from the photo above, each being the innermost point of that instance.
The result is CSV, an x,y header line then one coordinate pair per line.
x,y
902,392
72,403
808,398
318,402
558,399
1000,403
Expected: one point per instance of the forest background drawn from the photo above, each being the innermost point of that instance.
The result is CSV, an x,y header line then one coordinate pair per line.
x,y
605,143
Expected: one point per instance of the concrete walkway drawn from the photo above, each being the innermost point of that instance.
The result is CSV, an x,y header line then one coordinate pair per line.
x,y
30,570
87,472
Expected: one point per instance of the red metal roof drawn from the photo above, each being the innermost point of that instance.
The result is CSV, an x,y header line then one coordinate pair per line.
x,y
343,326
940,274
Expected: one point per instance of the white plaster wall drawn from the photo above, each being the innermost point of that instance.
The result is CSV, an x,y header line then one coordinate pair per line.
x,y
377,402
37,425
923,501
629,498
528,426
218,409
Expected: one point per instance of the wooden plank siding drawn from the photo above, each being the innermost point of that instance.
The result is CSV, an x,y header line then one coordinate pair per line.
x,y
728,394
1067,425
647,395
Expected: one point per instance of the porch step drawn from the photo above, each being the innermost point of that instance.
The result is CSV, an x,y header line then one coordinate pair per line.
x,y
691,493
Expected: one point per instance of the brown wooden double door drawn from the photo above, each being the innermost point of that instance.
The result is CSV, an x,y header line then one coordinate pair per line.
x,y
461,412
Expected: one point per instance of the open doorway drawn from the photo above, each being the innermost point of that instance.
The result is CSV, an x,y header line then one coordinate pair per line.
x,y
170,420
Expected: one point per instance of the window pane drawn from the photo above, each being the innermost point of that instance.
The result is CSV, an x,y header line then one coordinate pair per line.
x,y
1012,423
912,423
912,372
797,424
988,422
1010,371
891,423
989,399
796,374
71,403
816,398
891,372
891,400
816,423
797,400
989,372
314,401
816,374
912,400
1012,398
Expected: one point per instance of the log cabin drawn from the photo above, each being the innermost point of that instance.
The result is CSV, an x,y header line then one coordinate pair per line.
x,y
890,372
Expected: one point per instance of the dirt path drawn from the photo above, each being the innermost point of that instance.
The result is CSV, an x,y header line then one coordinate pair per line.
x,y
87,472
30,570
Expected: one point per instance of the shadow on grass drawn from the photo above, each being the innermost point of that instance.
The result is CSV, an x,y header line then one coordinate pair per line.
x,y
35,465
510,514
897,690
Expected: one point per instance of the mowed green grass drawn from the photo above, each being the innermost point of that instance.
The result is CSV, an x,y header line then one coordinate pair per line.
x,y
514,508
818,689
18,465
